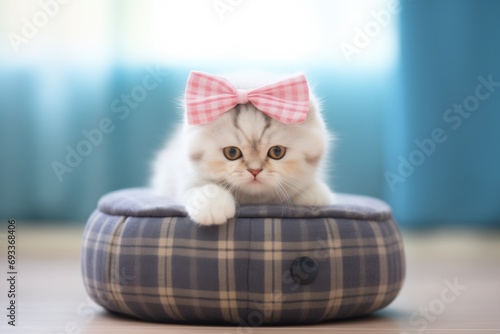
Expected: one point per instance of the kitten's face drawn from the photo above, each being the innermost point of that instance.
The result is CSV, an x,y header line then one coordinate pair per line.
x,y
256,157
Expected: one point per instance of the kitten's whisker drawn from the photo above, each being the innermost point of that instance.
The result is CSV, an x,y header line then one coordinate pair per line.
x,y
289,202
282,193
226,183
231,187
297,187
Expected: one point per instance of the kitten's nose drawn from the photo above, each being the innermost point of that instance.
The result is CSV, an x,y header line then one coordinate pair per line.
x,y
254,172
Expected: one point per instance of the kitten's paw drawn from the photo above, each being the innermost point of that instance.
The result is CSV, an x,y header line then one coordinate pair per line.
x,y
317,195
211,205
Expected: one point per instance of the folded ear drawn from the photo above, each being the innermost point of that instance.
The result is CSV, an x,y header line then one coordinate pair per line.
x,y
314,114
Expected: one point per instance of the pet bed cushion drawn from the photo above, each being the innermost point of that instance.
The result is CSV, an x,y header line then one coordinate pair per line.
x,y
143,257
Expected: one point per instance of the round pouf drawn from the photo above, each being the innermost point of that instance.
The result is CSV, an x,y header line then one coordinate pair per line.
x,y
142,256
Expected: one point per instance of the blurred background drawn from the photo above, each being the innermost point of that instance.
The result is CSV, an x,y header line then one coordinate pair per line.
x,y
89,91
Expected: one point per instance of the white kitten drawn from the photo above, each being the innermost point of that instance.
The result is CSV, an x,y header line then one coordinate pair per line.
x,y
244,157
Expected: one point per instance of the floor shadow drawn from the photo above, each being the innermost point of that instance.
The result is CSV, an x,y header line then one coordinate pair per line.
x,y
388,319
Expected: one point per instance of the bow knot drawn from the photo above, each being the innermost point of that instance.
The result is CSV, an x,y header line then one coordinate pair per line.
x,y
242,96
210,96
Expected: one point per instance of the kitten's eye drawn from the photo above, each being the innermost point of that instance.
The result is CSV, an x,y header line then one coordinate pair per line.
x,y
276,152
232,152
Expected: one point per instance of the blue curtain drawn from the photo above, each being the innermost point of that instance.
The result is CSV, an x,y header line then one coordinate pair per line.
x,y
45,115
444,129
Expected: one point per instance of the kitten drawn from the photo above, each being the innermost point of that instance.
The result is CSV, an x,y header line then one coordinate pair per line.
x,y
244,157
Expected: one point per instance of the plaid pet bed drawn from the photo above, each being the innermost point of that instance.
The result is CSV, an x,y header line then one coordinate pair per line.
x,y
141,256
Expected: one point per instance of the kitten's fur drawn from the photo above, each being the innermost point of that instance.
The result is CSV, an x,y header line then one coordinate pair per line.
x,y
193,170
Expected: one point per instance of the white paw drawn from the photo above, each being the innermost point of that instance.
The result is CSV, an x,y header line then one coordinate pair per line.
x,y
211,205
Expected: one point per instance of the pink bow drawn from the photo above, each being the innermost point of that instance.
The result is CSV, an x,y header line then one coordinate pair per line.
x,y
209,96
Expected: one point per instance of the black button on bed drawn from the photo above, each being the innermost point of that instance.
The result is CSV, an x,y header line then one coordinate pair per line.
x,y
304,270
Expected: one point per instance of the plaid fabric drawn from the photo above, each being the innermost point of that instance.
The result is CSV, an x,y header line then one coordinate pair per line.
x,y
168,269
209,96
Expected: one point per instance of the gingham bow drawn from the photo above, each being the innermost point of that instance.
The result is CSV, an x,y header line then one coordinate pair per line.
x,y
209,96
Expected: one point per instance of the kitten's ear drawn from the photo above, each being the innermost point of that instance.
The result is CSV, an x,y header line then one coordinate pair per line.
x,y
314,108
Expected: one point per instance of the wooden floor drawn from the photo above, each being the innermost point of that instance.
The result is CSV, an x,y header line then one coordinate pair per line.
x,y
51,297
